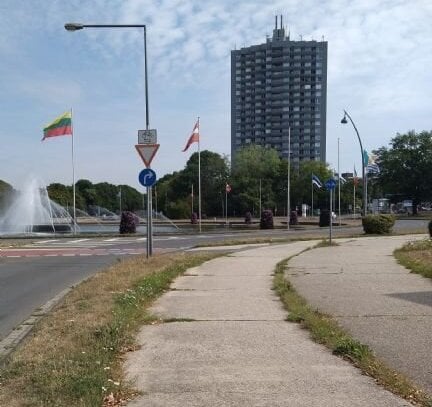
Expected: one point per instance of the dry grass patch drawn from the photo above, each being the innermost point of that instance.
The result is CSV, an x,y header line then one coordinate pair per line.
x,y
73,356
417,257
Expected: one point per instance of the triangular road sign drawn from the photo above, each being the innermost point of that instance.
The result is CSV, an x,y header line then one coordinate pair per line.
x,y
147,152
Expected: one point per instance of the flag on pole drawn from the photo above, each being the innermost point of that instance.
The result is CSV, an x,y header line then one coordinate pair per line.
x,y
342,179
194,137
316,181
228,188
61,126
372,166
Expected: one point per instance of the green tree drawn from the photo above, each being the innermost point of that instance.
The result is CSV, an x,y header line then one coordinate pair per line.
x,y
61,194
255,165
301,185
406,167
6,194
174,190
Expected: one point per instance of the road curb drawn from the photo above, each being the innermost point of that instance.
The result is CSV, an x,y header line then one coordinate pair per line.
x,y
10,342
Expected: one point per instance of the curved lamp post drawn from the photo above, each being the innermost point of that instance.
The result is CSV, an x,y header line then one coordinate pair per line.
x,y
78,26
345,121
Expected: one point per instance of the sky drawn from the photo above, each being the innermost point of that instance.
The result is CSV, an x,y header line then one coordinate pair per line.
x,y
379,70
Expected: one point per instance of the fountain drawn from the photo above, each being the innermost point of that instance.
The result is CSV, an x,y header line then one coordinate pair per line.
x,y
32,211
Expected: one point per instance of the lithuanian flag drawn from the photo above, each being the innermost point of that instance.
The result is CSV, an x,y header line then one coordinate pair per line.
x,y
61,126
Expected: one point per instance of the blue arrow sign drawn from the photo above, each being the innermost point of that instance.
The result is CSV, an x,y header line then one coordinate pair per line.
x,y
330,184
147,177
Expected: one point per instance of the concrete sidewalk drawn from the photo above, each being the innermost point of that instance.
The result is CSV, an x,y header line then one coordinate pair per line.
x,y
239,350
373,297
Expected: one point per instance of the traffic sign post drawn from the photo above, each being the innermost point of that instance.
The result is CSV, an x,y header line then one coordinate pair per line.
x,y
147,177
147,152
330,184
147,136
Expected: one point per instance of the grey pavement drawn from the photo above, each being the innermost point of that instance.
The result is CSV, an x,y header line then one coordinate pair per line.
x,y
239,350
377,300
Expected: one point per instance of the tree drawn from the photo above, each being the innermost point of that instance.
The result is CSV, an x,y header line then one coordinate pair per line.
x,y
255,165
6,194
406,167
174,190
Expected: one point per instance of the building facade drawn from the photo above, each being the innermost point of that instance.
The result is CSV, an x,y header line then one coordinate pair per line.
x,y
276,88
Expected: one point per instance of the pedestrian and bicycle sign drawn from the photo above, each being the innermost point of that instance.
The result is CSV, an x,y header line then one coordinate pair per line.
x,y
147,136
147,177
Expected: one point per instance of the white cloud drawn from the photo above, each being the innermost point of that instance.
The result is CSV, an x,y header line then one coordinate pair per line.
x,y
378,63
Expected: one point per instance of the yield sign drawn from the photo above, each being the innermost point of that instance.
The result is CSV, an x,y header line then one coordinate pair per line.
x,y
147,152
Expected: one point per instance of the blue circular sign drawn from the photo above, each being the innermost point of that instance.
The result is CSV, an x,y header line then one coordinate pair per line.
x,y
147,177
330,183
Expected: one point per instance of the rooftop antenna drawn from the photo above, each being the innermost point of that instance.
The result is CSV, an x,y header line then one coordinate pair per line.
x,y
322,38
276,22
281,21
301,37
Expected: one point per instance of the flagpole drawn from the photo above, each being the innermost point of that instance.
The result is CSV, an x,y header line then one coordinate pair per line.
x,y
199,175
354,185
226,205
339,185
73,174
192,201
289,179
312,196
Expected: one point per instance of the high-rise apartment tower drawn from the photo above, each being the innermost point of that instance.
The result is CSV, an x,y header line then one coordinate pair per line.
x,y
278,85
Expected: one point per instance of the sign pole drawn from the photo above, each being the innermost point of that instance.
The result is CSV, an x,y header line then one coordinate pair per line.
x,y
150,225
331,217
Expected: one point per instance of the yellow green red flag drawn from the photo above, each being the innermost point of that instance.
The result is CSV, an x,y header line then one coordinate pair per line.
x,y
61,126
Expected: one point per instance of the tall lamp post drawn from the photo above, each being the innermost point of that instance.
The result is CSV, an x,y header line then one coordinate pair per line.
x,y
78,26
345,121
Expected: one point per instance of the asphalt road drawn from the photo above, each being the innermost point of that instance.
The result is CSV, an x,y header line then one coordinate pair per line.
x,y
32,275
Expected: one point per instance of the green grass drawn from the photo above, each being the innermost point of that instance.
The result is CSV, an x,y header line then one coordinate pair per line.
x,y
417,257
74,356
325,330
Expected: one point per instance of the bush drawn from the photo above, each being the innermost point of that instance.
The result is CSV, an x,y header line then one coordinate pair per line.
x,y
293,220
430,228
248,218
378,224
266,221
128,223
324,219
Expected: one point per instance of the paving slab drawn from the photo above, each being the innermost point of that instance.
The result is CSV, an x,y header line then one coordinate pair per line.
x,y
377,300
239,350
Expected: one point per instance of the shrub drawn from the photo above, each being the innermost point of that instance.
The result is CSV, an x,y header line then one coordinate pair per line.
x,y
324,219
248,218
378,224
430,228
293,220
128,223
266,221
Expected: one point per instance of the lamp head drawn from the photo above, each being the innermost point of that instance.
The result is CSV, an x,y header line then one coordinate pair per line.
x,y
344,120
73,26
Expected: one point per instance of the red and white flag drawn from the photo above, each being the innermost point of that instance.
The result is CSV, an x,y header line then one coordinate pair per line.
x,y
228,188
194,137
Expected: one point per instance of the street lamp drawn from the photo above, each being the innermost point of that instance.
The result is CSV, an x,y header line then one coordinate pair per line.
x,y
345,121
77,26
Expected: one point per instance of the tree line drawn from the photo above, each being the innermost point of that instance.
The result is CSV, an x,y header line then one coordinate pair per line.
x,y
259,181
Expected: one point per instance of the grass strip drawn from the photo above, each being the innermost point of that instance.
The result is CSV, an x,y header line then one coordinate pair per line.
x,y
74,355
326,331
417,257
